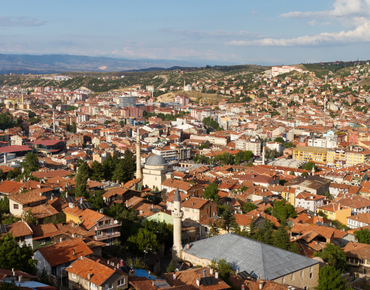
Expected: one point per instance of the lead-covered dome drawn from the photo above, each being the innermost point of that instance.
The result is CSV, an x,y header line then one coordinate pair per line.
x,y
156,160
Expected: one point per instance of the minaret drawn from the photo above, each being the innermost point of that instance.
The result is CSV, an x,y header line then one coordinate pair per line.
x,y
313,170
177,216
54,121
138,155
325,100
263,155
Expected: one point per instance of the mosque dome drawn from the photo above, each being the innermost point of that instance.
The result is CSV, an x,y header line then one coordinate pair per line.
x,y
156,160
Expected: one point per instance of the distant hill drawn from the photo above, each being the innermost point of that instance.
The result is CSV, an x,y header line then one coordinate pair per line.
x,y
58,63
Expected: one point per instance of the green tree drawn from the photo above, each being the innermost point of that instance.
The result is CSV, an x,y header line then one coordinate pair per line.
x,y
82,176
363,236
144,240
171,267
213,229
281,238
4,205
211,192
228,219
14,256
9,286
30,164
330,278
248,206
308,166
223,267
283,210
334,256
97,171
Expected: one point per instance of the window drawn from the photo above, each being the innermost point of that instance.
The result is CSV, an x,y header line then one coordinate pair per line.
x,y
282,280
311,274
169,203
186,209
74,276
98,233
15,206
195,210
109,286
302,273
292,277
121,282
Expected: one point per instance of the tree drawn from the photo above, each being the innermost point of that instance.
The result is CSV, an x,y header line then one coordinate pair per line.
x,y
213,229
304,174
30,164
82,176
363,236
9,286
97,171
308,166
223,267
144,240
248,206
331,279
281,238
228,219
334,256
14,256
211,192
4,205
171,267
283,210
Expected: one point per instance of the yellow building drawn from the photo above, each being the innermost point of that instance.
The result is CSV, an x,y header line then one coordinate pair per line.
x,y
336,157
353,157
335,212
288,194
309,153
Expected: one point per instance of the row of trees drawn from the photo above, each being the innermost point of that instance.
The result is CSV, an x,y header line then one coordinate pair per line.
x,y
113,168
225,158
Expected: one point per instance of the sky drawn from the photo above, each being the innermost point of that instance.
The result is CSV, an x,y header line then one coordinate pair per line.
x,y
267,32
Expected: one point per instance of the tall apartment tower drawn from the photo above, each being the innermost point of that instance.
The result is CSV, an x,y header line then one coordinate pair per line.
x,y
177,215
138,155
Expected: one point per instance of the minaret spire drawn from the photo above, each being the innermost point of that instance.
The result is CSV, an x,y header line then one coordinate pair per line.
x,y
138,155
177,215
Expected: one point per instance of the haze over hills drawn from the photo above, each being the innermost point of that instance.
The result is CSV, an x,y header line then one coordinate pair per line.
x,y
57,63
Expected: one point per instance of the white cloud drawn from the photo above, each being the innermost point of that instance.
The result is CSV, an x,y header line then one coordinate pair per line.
x,y
254,13
201,34
19,21
351,13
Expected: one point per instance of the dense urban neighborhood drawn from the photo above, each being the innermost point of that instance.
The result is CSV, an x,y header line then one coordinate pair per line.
x,y
195,178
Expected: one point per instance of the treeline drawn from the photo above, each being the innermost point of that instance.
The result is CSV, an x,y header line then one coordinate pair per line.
x,y
225,158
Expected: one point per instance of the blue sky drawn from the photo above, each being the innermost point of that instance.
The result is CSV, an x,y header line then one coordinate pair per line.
x,y
212,32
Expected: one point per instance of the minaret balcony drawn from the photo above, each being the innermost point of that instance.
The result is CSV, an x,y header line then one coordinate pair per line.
x,y
177,214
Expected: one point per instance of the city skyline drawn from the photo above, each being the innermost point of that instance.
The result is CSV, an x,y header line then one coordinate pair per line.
x,y
244,32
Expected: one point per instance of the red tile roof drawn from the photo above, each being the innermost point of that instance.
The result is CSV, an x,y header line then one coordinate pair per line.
x,y
65,252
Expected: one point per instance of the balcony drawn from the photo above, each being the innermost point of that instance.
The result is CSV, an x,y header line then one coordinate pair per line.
x,y
106,236
108,226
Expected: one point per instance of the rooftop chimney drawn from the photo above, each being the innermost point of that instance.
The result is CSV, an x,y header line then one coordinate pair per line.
x,y
13,271
204,273
216,274
88,276
260,286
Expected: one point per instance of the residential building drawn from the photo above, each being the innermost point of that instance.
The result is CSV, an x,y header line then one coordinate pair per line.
x,y
309,201
89,274
308,153
358,220
335,212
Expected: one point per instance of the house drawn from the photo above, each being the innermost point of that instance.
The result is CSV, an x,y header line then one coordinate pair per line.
x,y
357,258
89,274
335,211
358,220
55,258
196,208
309,201
21,231
200,278
17,202
106,229
313,184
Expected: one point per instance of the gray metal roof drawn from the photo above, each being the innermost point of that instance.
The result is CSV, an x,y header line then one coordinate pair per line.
x,y
258,259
